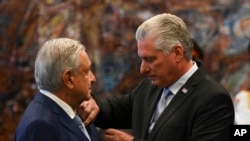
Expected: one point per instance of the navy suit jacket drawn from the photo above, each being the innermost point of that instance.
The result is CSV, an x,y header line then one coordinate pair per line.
x,y
44,120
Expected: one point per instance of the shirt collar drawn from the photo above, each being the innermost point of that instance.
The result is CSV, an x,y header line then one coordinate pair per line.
x,y
181,81
59,102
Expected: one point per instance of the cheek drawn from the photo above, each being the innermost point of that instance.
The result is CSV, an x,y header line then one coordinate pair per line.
x,y
163,70
86,82
159,68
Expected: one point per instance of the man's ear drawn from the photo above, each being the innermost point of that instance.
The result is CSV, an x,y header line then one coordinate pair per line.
x,y
68,78
178,51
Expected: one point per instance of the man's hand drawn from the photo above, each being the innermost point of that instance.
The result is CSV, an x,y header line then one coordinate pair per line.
x,y
116,135
88,111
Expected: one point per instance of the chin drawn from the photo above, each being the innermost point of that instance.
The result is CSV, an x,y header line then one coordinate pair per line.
x,y
157,83
154,82
88,96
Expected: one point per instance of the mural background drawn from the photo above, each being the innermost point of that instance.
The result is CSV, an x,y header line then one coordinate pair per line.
x,y
106,27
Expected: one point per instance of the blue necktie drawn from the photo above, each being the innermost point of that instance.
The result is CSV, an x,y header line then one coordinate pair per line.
x,y
80,124
163,102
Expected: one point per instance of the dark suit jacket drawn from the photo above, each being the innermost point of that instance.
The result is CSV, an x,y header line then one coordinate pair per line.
x,y
44,120
201,110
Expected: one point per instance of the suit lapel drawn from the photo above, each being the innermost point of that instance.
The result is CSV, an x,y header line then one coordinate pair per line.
x,y
152,100
170,109
64,119
92,132
179,98
70,125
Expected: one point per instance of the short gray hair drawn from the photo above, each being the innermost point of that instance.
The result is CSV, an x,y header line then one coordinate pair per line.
x,y
54,57
168,30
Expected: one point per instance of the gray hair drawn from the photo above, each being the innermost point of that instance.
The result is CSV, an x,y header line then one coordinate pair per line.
x,y
168,30
54,57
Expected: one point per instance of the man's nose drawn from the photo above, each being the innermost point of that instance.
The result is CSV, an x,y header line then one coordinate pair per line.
x,y
144,68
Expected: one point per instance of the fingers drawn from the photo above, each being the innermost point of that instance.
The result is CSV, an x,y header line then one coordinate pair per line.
x,y
82,111
93,110
117,135
110,131
110,135
90,118
88,111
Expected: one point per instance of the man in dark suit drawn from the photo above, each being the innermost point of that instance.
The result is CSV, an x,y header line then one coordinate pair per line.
x,y
64,78
198,109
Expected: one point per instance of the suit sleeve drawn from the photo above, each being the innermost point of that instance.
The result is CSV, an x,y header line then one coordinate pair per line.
x,y
115,112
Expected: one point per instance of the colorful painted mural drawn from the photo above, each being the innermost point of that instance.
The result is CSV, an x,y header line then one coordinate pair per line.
x,y
107,27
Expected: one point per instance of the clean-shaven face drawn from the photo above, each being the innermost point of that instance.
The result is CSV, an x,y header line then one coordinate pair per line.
x,y
160,68
85,78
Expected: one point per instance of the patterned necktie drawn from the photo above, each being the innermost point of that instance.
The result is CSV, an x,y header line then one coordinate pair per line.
x,y
162,104
80,124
